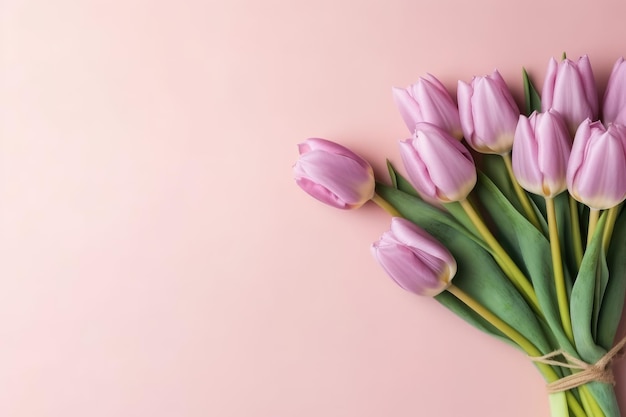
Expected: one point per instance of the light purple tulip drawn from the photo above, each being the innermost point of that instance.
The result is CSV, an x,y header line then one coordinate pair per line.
x,y
614,108
413,259
541,151
570,89
438,166
428,101
596,173
488,114
334,174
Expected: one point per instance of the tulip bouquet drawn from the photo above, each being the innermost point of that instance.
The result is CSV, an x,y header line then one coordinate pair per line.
x,y
512,221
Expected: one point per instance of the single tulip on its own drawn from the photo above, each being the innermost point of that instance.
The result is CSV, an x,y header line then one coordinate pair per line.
x,y
438,166
570,89
428,101
541,151
614,108
334,174
413,259
596,173
488,114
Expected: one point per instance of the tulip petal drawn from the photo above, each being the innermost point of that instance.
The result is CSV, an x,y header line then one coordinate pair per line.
x,y
409,234
321,193
406,269
589,84
416,170
437,105
318,144
407,106
464,98
548,85
614,105
524,157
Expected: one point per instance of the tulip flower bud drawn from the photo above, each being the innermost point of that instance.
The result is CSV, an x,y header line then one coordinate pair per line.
x,y
334,174
614,108
439,167
413,259
488,114
596,173
428,101
540,153
570,89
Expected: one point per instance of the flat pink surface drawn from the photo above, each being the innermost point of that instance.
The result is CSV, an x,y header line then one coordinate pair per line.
x,y
157,258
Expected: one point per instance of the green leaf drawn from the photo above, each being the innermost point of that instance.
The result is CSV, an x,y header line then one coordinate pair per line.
x,y
592,268
461,216
564,226
532,98
392,174
605,396
530,249
399,182
477,273
461,310
493,166
613,302
421,213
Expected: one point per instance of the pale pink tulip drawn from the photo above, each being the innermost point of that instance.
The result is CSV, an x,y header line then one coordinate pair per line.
x,y
614,108
596,173
415,260
334,174
488,114
428,101
570,89
541,151
438,166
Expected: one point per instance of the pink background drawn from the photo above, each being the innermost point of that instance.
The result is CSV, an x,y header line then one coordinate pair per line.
x,y
157,258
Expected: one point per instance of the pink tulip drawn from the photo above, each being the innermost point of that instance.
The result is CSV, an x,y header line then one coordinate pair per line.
x,y
334,174
614,108
596,173
428,101
570,89
438,166
488,114
413,259
541,151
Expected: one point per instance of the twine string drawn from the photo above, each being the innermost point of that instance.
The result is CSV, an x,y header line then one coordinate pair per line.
x,y
599,371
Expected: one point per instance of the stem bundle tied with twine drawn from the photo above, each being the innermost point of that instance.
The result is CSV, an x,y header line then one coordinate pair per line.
x,y
583,372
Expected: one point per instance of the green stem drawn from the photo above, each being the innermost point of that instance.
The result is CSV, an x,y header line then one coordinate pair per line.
x,y
505,329
574,406
575,226
516,337
516,276
521,194
590,402
608,227
384,204
594,215
557,266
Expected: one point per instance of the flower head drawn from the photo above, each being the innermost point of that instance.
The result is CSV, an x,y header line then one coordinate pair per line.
x,y
438,166
570,89
488,114
413,259
596,173
334,174
428,101
614,107
540,153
